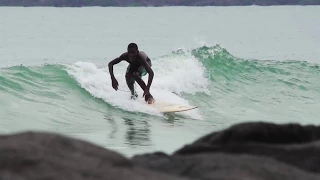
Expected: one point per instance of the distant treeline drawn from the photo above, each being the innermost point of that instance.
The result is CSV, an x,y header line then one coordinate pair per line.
x,y
79,3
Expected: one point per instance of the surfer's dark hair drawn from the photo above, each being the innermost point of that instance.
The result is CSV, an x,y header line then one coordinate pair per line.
x,y
133,45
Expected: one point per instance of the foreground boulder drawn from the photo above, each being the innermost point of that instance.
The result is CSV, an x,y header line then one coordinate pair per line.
x,y
261,151
217,166
290,143
262,132
50,156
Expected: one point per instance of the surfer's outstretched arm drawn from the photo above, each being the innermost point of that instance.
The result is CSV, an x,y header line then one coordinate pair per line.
x,y
150,72
113,62
110,65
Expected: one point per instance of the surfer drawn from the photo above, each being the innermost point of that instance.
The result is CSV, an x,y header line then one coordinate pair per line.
x,y
139,65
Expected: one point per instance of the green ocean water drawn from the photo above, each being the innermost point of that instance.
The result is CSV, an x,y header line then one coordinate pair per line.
x,y
54,75
80,98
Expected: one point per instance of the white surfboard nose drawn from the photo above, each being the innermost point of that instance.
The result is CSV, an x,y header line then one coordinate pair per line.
x,y
169,107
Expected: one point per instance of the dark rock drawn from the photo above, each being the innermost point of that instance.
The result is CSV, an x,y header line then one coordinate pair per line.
x,y
223,166
289,143
262,132
305,156
49,156
244,151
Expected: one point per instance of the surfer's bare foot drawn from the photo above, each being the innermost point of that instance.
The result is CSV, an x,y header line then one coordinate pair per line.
x,y
134,96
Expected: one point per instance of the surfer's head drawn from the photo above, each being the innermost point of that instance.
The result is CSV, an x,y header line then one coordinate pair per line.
x,y
133,51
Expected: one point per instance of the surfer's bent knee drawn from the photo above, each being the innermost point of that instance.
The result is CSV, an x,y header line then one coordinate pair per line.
x,y
136,74
129,75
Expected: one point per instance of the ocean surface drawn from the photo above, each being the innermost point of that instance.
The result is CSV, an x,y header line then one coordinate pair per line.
x,y
237,64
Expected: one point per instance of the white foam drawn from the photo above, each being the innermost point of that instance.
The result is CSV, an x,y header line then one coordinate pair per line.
x,y
177,73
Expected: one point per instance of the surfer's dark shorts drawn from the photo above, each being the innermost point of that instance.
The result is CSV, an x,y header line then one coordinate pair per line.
x,y
142,71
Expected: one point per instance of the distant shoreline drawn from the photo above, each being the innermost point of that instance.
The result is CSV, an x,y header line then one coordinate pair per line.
x,y
154,3
158,6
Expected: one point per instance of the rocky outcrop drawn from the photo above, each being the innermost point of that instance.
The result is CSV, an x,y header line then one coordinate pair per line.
x,y
79,3
261,151
245,151
49,156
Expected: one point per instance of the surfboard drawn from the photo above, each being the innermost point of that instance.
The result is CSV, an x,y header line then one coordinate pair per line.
x,y
169,107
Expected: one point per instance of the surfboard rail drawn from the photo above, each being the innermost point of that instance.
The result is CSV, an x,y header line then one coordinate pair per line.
x,y
170,107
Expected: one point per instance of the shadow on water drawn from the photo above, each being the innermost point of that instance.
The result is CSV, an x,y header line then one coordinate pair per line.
x,y
177,119
136,127
113,127
172,118
138,132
